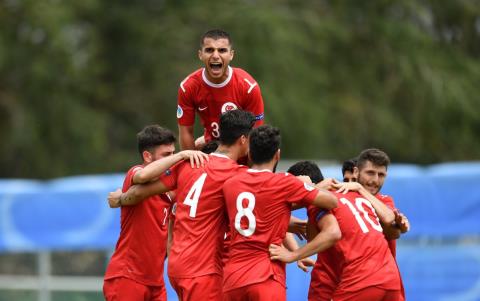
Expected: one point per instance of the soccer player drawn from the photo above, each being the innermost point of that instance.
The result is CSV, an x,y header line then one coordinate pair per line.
x,y
195,259
360,266
348,168
213,90
371,172
259,203
135,271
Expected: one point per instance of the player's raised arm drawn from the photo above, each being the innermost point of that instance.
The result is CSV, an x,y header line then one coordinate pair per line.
x,y
135,194
385,214
325,199
156,168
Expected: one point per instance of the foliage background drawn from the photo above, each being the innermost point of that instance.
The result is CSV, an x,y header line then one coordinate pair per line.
x,y
79,79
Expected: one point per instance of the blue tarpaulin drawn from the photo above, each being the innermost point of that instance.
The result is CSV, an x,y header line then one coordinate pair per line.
x,y
441,201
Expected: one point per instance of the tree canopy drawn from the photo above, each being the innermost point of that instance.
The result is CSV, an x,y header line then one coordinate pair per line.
x,y
78,80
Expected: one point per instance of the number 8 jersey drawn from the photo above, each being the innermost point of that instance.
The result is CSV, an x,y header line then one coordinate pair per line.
x,y
259,208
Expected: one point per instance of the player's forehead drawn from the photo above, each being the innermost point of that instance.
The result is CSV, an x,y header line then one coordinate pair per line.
x,y
368,166
165,148
215,43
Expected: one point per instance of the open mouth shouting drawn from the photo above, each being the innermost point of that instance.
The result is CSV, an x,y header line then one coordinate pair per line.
x,y
216,69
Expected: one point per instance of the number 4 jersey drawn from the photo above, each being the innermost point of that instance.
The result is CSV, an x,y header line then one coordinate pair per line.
x,y
200,219
259,208
362,255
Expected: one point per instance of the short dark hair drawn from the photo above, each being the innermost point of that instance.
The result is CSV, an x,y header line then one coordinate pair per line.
x,y
210,147
306,168
152,136
216,34
264,143
348,165
233,124
376,156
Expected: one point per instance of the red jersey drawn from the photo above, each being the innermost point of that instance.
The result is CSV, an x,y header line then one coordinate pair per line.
x,y
198,94
141,248
200,219
392,244
259,207
388,201
363,252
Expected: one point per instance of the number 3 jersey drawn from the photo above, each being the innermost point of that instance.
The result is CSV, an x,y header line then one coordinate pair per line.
x,y
198,94
259,207
361,258
141,248
200,218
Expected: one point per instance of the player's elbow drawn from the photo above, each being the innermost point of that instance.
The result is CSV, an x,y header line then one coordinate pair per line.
x,y
334,235
140,178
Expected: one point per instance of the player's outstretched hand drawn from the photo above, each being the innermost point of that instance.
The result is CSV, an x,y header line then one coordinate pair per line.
x,y
401,221
345,187
304,263
114,198
280,253
327,184
197,158
298,227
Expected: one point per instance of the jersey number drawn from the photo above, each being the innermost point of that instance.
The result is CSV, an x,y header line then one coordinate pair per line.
x,y
359,202
215,132
247,212
194,194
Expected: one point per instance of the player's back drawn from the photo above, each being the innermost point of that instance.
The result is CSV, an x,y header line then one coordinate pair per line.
x,y
367,260
258,205
200,219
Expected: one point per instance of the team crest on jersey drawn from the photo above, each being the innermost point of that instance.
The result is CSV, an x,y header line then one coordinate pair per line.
x,y
308,187
179,111
229,106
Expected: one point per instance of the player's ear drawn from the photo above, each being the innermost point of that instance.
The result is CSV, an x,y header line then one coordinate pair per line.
x,y
147,157
232,54
356,171
277,155
200,54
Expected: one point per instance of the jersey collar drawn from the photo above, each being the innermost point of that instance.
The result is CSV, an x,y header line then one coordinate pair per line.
x,y
220,85
259,170
220,155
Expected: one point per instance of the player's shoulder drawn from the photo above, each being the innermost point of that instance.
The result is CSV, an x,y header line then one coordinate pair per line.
x,y
193,80
386,199
243,76
134,169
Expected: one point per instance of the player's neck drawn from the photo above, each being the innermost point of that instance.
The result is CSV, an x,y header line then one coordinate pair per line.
x,y
264,166
227,151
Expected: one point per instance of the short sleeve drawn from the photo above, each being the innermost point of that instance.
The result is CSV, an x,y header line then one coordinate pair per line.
x,y
170,176
255,104
185,105
300,191
128,182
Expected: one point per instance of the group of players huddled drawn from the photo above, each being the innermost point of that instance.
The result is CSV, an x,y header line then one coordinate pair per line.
x,y
226,227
